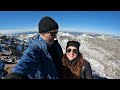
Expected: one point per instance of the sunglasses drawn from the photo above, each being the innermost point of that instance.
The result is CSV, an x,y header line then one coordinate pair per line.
x,y
73,50
53,33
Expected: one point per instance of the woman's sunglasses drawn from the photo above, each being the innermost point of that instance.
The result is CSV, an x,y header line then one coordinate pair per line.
x,y
73,50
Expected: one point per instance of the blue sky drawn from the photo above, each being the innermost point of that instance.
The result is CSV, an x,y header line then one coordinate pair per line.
x,y
107,22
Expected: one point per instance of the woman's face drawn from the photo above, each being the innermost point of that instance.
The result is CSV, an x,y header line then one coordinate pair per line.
x,y
71,53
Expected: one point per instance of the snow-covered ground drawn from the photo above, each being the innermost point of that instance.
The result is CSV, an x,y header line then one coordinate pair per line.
x,y
100,50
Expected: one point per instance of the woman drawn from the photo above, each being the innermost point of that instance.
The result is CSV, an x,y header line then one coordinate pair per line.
x,y
74,66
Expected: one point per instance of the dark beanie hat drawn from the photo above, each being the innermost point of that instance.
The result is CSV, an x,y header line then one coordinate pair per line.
x,y
73,43
46,24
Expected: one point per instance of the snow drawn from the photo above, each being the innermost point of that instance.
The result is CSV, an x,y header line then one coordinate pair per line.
x,y
101,51
105,62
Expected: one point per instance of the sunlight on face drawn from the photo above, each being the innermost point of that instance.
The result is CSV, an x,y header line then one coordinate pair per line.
x,y
71,53
48,37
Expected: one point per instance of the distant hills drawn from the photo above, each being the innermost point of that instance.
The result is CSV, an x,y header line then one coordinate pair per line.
x,y
102,51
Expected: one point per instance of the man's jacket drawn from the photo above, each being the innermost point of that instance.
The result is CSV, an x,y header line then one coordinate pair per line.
x,y
39,63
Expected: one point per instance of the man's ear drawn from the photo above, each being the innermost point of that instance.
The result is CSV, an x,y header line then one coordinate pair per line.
x,y
42,34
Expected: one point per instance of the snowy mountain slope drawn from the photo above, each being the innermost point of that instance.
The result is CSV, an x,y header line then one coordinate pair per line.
x,y
100,50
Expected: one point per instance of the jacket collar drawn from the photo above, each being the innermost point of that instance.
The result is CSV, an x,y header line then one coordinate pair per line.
x,y
44,45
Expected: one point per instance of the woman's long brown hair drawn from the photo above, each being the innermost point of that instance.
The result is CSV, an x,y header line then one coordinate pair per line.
x,y
72,71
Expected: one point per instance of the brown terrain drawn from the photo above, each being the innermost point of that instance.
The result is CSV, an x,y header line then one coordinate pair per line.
x,y
8,52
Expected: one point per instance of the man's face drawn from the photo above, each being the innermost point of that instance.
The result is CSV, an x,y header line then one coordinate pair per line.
x,y
50,36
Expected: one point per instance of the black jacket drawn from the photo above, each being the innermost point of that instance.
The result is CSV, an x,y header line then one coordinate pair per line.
x,y
86,71
76,69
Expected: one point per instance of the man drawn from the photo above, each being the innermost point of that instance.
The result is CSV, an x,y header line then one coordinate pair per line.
x,y
42,59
